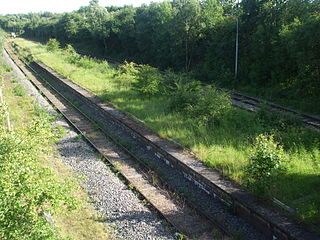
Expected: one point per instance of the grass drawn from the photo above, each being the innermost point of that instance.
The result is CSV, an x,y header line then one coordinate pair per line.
x,y
19,90
84,222
225,146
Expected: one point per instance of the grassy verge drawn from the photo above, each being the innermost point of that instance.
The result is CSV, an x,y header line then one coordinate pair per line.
x,y
225,146
74,217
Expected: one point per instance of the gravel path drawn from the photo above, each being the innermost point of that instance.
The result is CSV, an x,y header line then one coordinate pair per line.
x,y
124,212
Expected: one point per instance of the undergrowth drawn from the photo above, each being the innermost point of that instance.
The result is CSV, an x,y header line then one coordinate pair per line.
x,y
28,191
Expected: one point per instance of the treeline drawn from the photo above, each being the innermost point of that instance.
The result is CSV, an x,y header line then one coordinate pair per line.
x,y
278,39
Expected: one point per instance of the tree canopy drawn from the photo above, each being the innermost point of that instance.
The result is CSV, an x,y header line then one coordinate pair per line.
x,y
278,40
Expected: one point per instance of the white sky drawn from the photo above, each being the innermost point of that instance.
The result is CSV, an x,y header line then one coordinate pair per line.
x,y
26,6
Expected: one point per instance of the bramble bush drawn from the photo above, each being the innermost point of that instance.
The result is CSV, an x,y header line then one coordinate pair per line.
x,y
266,162
72,56
172,81
210,107
206,105
148,81
184,96
53,45
126,68
278,120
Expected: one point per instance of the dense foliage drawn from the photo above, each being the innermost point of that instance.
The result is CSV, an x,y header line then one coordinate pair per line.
x,y
278,42
28,191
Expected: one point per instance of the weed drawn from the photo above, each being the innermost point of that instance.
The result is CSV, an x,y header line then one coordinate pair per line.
x,y
77,138
19,90
266,162
131,187
238,234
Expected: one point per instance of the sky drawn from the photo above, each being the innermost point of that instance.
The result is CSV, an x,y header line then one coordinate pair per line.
x,y
58,6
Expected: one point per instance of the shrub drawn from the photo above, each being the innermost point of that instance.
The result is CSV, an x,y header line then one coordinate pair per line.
x,y
69,49
171,81
4,67
72,56
185,95
205,105
86,62
148,81
127,69
53,45
266,162
211,106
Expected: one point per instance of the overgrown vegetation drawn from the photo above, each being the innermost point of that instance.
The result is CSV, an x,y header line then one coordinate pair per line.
x,y
28,191
19,90
222,137
266,163
53,45
278,45
148,81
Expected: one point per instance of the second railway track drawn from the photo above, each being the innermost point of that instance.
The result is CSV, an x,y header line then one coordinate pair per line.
x,y
204,189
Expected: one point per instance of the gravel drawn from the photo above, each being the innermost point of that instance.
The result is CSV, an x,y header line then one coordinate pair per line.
x,y
124,212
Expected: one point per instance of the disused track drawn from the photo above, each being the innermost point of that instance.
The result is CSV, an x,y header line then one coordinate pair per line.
x,y
252,104
271,223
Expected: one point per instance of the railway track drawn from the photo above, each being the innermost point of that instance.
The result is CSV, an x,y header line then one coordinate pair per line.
x,y
205,190
252,104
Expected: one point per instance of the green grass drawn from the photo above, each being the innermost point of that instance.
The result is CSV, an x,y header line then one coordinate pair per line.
x,y
82,223
19,90
225,147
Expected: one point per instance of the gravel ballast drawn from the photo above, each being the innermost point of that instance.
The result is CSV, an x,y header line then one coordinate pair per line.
x,y
123,211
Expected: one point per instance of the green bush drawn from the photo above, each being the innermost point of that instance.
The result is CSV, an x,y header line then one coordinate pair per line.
x,y
210,107
171,81
148,81
266,162
126,68
4,67
275,119
53,45
86,62
184,96
72,56
205,105
28,191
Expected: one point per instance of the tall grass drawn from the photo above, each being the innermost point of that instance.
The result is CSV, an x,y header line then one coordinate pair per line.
x,y
225,146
